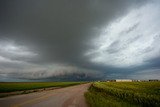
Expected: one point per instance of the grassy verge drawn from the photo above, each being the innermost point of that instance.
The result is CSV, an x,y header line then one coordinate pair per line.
x,y
124,94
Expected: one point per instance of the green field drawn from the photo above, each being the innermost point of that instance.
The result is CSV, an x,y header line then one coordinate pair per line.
x,y
19,86
124,94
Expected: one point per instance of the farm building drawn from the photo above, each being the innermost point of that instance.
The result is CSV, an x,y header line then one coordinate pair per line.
x,y
136,80
123,80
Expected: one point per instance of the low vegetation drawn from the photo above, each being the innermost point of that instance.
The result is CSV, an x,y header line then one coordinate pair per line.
x,y
124,94
20,86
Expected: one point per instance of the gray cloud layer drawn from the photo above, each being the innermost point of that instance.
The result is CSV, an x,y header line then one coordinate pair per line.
x,y
45,39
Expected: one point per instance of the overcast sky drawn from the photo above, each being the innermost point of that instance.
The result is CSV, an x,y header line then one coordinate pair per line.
x,y
60,40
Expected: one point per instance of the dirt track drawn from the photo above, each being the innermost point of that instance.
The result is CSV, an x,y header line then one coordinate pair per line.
x,y
65,97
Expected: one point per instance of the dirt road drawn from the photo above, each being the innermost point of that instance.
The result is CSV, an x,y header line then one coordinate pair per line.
x,y
65,97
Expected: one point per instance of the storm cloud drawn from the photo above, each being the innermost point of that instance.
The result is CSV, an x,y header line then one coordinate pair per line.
x,y
78,40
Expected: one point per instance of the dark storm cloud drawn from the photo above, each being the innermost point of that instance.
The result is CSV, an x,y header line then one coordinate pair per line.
x,y
57,32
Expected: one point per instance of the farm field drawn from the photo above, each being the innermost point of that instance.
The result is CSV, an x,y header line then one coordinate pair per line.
x,y
19,86
124,94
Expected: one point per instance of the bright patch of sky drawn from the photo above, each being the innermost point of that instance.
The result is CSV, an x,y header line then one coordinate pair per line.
x,y
130,40
11,52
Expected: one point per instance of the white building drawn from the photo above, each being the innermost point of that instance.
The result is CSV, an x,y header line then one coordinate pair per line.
x,y
123,80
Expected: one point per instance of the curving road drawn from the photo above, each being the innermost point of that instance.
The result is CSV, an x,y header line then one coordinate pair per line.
x,y
65,97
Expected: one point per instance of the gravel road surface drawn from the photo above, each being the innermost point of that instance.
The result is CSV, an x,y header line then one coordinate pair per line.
x,y
72,96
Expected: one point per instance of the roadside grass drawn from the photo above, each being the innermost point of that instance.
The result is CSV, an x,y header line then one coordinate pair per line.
x,y
22,86
124,94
